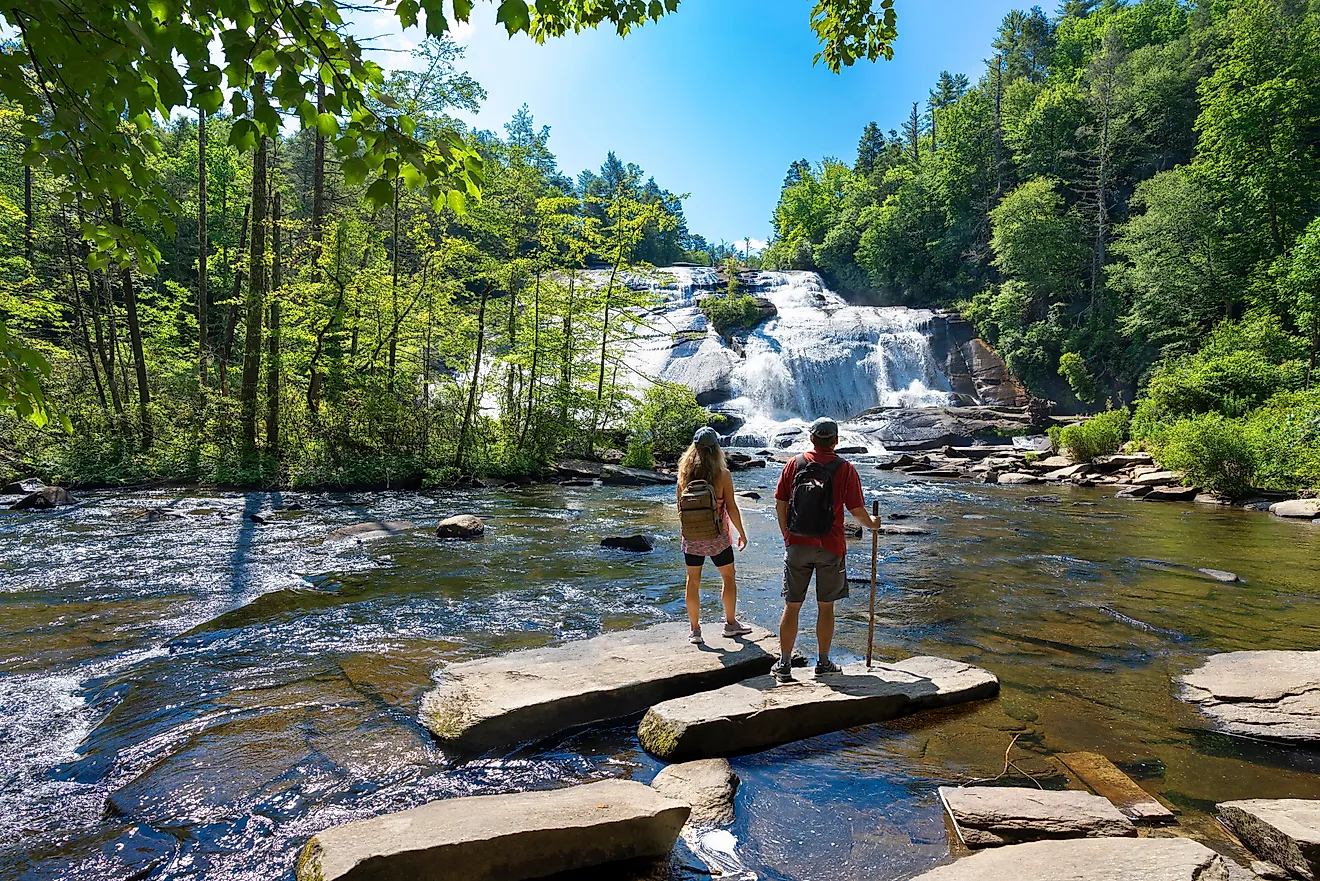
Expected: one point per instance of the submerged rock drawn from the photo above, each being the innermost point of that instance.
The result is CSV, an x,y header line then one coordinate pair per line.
x,y
1105,779
461,526
373,529
1269,694
1102,859
1285,831
500,837
708,785
530,694
44,499
990,816
638,543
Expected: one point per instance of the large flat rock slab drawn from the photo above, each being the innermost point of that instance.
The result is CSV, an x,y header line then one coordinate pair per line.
x,y
531,694
760,714
1107,780
1090,859
1267,694
992,816
500,837
1285,831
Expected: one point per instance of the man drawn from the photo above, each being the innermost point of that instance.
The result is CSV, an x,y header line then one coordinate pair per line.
x,y
813,491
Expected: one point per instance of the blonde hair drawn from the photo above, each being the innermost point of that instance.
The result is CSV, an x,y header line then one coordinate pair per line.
x,y
701,463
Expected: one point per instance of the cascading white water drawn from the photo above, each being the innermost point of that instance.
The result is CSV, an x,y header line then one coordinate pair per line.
x,y
819,356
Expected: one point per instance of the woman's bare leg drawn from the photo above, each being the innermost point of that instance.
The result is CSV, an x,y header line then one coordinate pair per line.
x,y
729,596
694,597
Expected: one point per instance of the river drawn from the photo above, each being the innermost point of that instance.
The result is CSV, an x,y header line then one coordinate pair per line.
x,y
193,698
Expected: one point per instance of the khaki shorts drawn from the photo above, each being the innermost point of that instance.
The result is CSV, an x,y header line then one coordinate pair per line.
x,y
831,575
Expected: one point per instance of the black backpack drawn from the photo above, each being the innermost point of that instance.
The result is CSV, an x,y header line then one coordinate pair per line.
x,y
811,501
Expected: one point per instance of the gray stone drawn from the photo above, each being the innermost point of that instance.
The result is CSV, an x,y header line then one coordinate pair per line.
x,y
44,499
1301,509
461,526
990,816
1090,859
1018,479
890,529
1157,478
759,714
373,529
531,694
1069,471
1171,494
1269,871
618,475
1052,463
1133,492
708,785
23,487
500,837
1285,831
1268,694
640,544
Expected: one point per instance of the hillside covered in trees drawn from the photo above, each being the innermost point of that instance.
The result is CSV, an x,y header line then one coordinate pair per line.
x,y
1125,202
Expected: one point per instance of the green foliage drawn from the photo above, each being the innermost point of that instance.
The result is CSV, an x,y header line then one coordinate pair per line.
x,y
639,453
1101,435
1072,367
1285,436
665,420
21,373
728,314
1213,451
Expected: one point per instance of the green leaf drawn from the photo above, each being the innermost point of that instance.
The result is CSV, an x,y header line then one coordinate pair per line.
x,y
457,201
327,124
381,192
514,15
355,170
265,62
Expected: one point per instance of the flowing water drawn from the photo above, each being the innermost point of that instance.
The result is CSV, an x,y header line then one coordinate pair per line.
x,y
192,698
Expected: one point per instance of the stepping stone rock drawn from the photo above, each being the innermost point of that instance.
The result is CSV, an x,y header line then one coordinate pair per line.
x,y
760,714
1269,694
708,785
1133,492
373,529
44,499
1090,859
1043,500
1157,478
1285,831
461,526
1108,781
1015,478
1069,471
1053,463
889,529
618,475
500,837
531,694
990,816
1171,494
1302,509
640,544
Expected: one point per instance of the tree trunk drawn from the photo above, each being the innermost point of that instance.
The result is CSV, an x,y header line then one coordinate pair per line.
x,y
232,321
568,349
135,340
27,216
476,374
394,284
536,354
318,176
273,352
256,293
604,341
82,321
203,246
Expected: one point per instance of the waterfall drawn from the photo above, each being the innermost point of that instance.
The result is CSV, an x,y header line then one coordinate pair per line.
x,y
819,356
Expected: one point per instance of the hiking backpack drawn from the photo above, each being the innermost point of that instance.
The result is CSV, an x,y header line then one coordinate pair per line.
x,y
699,512
811,501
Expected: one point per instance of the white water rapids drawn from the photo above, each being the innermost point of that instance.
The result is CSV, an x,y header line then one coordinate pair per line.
x,y
820,356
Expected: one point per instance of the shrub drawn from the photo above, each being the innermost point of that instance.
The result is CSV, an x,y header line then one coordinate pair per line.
x,y
728,313
1285,435
666,419
1072,367
1100,435
639,453
1214,451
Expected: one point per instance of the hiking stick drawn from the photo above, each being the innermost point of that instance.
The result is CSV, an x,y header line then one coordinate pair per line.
x,y
875,552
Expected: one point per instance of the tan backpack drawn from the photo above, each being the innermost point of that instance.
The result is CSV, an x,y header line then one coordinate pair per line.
x,y
699,512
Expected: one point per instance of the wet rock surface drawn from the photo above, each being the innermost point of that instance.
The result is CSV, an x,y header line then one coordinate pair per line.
x,y
44,499
461,526
639,544
1284,831
373,529
500,837
991,816
708,785
1268,694
1101,859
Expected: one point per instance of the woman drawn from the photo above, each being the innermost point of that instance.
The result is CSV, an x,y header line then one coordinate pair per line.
x,y
704,460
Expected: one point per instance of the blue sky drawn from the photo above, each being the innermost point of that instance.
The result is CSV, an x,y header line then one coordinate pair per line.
x,y
717,99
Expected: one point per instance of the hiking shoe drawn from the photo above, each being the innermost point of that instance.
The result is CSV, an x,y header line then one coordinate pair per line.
x,y
783,673
825,666
736,628
695,638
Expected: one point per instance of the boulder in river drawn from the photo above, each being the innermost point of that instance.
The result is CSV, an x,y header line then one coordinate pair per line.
x,y
750,495
1157,478
1101,859
1171,494
708,785
461,526
500,837
44,499
1068,472
1285,831
990,816
890,529
1043,500
1133,492
23,487
1017,478
1301,509
852,451
618,475
640,544
1269,694
373,529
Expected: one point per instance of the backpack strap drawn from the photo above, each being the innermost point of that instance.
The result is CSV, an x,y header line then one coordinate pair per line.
x,y
800,461
833,466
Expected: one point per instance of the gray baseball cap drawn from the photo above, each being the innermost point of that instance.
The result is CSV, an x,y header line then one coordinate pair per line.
x,y
824,427
706,437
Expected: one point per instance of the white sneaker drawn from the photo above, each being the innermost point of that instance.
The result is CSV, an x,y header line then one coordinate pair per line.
x,y
695,638
736,628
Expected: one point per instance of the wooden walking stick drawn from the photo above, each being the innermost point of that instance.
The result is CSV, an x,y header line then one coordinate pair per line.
x,y
875,552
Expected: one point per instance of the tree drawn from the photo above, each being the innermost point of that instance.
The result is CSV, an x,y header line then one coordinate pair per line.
x,y
912,131
870,150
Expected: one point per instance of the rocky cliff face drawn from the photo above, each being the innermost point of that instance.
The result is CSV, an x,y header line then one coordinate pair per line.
x,y
974,370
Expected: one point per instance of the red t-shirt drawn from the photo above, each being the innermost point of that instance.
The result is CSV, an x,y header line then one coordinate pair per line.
x,y
847,486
